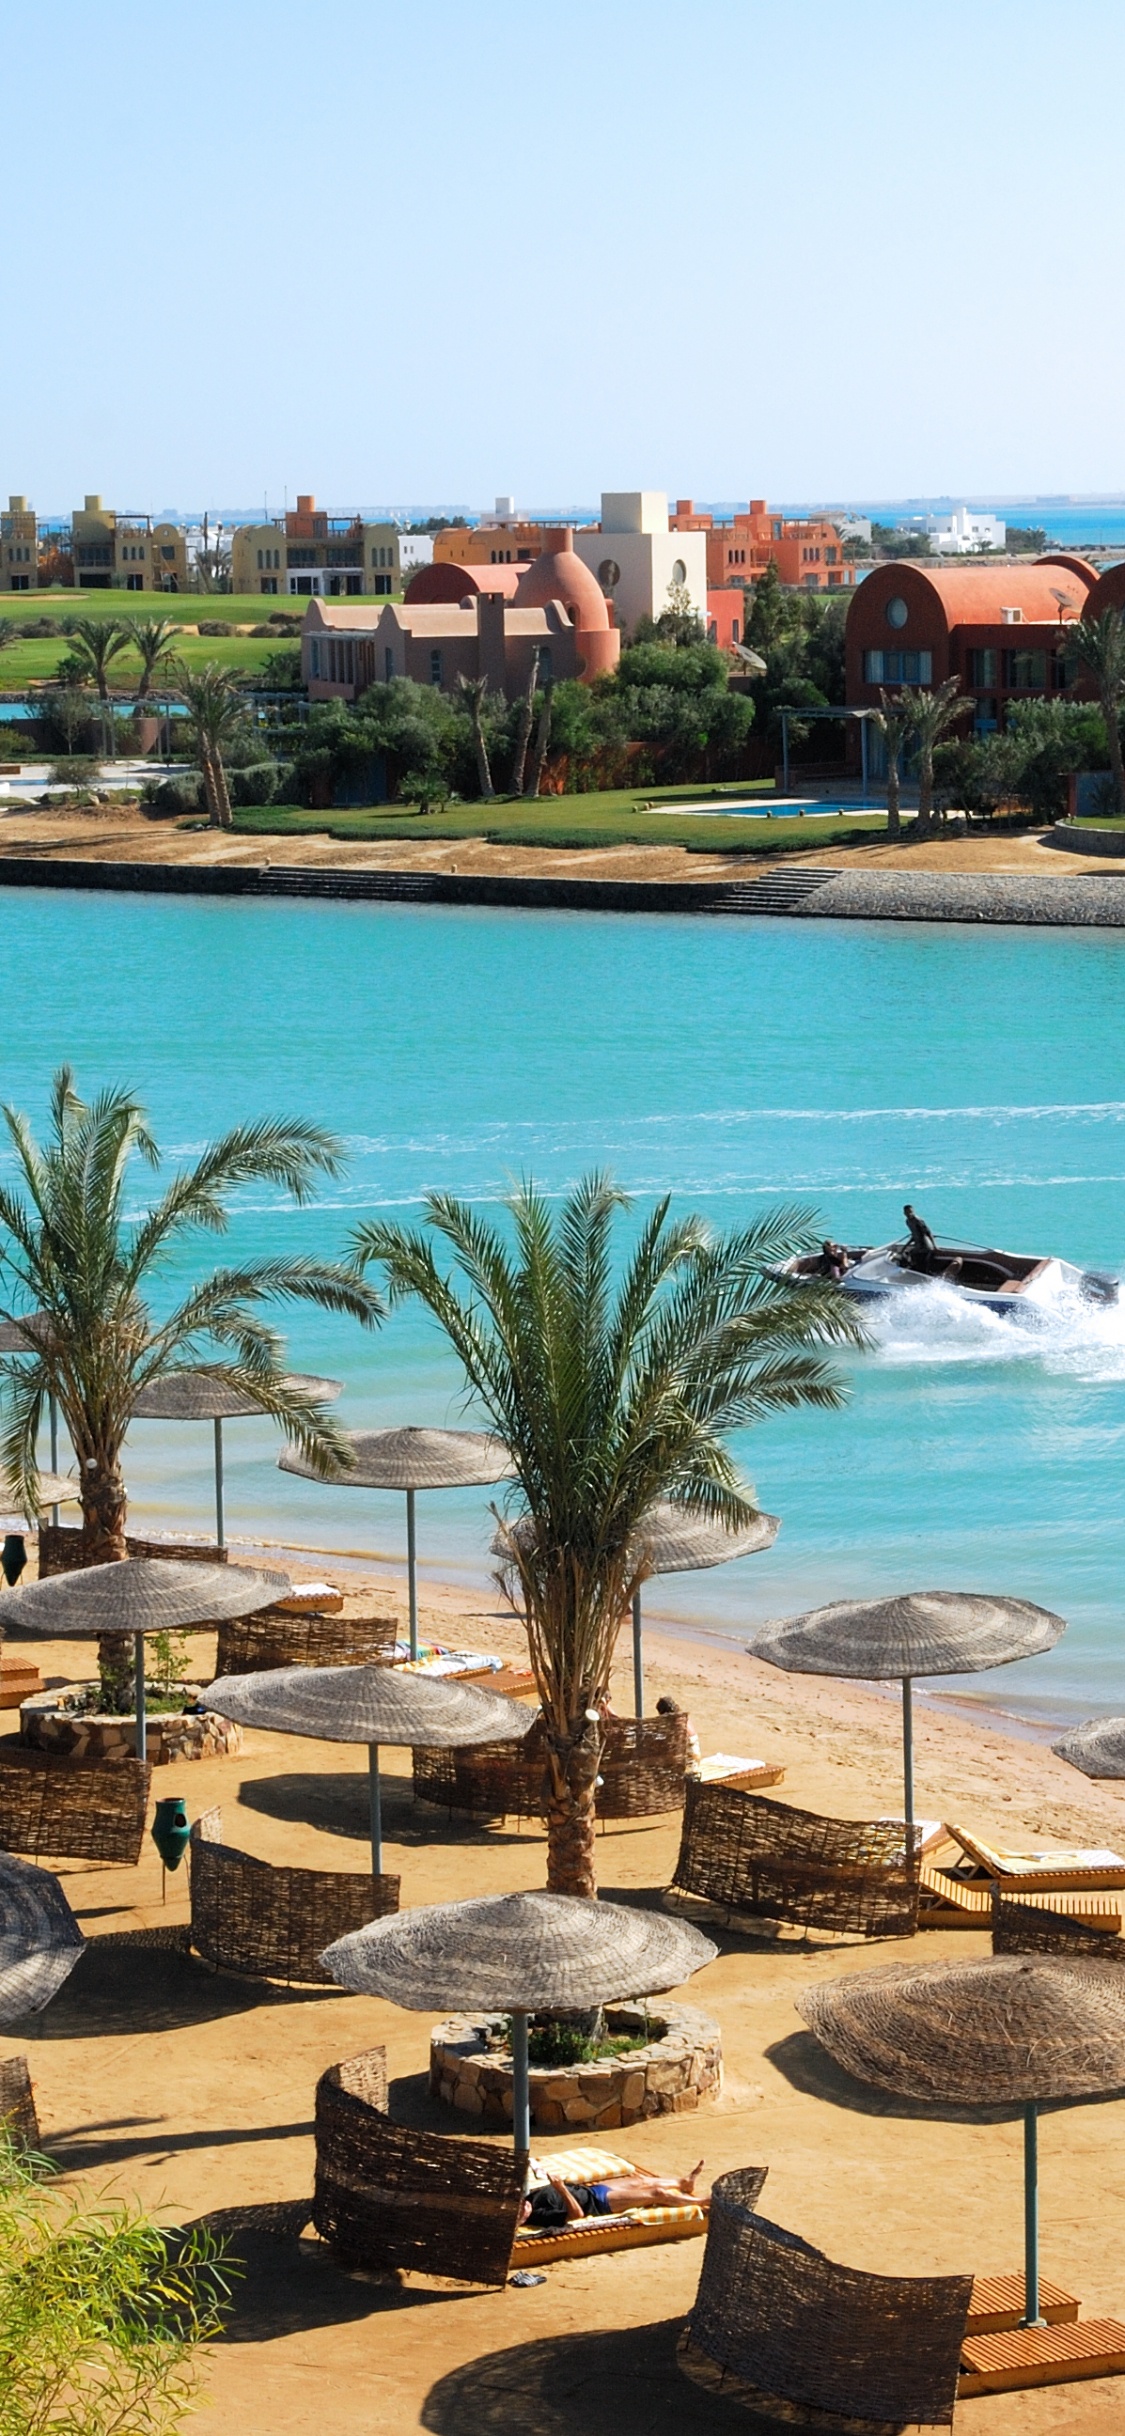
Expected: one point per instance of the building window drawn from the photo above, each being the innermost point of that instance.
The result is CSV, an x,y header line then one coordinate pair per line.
x,y
830,558
268,583
1026,671
609,574
898,667
388,664
985,721
897,611
982,668
1066,671
679,571
314,658
301,558
435,668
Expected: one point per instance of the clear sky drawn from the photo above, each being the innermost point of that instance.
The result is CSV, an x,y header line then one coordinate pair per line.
x,y
797,248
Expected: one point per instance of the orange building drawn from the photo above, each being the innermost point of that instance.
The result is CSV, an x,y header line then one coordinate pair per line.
x,y
809,556
505,540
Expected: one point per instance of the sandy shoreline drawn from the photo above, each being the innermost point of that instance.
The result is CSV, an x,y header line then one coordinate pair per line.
x,y
191,2090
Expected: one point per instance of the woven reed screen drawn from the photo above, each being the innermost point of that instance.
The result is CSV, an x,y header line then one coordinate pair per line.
x,y
82,1810
789,2327
273,1923
747,1854
642,1772
17,2102
251,1645
61,1550
389,2197
1021,1928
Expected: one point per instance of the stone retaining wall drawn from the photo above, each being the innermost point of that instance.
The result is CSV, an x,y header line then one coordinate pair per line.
x,y
44,1726
1075,900
671,2076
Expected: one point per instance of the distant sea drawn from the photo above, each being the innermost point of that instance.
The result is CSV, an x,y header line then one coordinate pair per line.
x,y
1073,523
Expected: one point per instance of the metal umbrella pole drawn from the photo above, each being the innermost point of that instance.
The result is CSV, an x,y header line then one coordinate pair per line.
x,y
638,1659
412,1572
139,1695
1031,2311
908,1750
375,1805
521,2084
220,1522
53,1412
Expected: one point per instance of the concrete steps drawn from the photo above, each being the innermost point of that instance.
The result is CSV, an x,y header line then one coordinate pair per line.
x,y
304,880
777,892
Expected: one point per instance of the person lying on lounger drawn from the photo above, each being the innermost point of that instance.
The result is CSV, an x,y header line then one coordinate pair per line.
x,y
555,2203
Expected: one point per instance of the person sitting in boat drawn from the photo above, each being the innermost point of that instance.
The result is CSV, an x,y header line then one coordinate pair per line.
x,y
923,1249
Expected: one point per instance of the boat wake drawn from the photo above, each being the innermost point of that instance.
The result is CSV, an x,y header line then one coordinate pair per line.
x,y
1069,1337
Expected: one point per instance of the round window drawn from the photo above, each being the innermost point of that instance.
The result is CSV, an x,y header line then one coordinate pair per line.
x,y
609,574
679,571
897,611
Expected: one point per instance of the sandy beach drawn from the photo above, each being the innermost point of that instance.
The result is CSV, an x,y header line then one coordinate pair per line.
x,y
190,2090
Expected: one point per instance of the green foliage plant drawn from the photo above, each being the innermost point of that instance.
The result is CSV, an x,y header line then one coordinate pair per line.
x,y
80,1264
1098,645
614,1381
101,2316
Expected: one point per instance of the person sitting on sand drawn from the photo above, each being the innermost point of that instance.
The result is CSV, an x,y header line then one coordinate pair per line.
x,y
555,2203
667,1707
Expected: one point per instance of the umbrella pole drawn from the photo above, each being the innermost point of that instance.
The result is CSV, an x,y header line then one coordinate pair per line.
x,y
521,2086
139,1695
220,1520
1031,2311
908,1749
412,1573
376,1804
53,1410
638,1659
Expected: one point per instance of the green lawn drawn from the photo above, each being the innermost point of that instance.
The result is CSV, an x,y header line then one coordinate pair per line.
x,y
578,821
31,660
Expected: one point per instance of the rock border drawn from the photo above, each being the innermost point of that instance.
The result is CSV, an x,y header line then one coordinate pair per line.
x,y
45,1726
673,2075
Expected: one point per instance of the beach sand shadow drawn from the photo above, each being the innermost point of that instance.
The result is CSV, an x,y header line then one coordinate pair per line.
x,y
284,2281
620,2381
338,1805
90,2146
118,1989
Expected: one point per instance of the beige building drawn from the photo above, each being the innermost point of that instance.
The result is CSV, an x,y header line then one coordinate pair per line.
x,y
125,553
640,563
555,611
310,553
19,546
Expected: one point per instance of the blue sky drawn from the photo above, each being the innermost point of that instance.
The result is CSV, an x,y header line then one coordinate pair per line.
x,y
827,249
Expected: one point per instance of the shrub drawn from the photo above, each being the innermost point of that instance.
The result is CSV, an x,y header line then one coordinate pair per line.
x,y
214,625
101,2313
75,770
256,784
172,798
15,742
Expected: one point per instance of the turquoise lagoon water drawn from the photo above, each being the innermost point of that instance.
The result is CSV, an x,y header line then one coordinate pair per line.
x,y
979,1073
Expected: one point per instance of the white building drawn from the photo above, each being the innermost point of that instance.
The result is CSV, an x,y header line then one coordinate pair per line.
x,y
414,550
640,565
965,533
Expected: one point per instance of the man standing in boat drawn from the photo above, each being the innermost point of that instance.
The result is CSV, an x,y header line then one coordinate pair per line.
x,y
923,1249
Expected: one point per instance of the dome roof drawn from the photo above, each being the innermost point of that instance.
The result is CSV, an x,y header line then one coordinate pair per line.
x,y
559,575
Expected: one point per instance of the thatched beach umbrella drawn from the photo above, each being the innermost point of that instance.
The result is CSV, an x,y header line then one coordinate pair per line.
x,y
54,1490
17,1336
144,1594
1098,1747
925,1632
1016,2030
675,1541
198,1395
680,1542
40,1940
518,1954
409,1460
368,1704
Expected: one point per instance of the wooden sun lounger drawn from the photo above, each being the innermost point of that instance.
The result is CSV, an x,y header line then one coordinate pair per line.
x,y
1038,1870
587,2235
1041,2355
723,1768
956,1903
997,2301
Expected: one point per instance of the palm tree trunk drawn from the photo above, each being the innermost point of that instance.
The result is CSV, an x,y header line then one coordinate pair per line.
x,y
1111,715
542,739
894,821
480,748
572,1770
924,822
523,731
104,1508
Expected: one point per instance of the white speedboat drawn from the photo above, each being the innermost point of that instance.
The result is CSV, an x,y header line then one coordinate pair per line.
x,y
1014,1284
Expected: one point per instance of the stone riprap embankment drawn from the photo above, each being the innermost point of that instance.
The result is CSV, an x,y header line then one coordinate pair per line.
x,y
1082,900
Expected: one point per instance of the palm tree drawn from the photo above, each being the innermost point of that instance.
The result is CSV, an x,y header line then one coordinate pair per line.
x,y
609,1397
929,713
93,645
218,711
523,726
79,1264
474,694
893,724
542,739
1099,644
153,638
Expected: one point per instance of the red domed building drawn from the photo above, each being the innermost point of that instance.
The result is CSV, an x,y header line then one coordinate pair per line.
x,y
1000,629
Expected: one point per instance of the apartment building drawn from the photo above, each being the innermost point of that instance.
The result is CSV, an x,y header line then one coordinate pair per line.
x,y
1002,631
808,553
19,546
641,563
99,550
312,554
500,540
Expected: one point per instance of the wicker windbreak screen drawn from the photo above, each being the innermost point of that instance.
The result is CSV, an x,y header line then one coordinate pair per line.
x,y
79,1811
247,1915
390,2197
747,1854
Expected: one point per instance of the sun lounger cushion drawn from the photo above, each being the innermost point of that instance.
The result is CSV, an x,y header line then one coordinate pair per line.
x,y
584,2236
